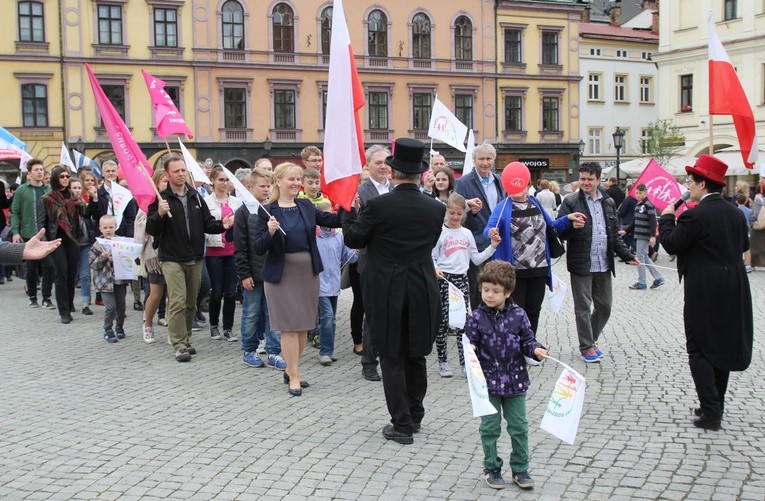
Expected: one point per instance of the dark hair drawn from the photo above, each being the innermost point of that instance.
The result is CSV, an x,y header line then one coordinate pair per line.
x,y
711,186
640,187
741,199
217,169
311,173
450,175
54,174
171,158
14,186
500,273
590,168
34,161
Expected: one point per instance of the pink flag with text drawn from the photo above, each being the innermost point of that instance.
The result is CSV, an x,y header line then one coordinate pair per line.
x,y
661,186
166,115
130,158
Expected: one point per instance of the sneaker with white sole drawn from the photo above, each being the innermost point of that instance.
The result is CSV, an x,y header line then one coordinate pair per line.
x,y
277,362
148,334
494,479
325,360
252,359
48,304
445,370
229,336
215,332
523,480
658,283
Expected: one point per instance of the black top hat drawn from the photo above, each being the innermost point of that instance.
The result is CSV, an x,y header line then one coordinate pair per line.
x,y
407,156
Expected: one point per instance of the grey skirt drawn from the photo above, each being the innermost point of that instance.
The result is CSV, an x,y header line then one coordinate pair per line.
x,y
293,303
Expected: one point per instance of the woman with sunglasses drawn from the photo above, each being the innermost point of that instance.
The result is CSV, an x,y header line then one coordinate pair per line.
x,y
61,214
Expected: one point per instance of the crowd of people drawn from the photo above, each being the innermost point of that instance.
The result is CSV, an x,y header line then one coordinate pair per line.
x,y
412,231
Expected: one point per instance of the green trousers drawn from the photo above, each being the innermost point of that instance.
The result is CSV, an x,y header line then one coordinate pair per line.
x,y
182,288
514,410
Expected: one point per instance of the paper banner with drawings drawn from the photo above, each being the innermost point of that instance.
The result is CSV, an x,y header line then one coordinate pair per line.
x,y
124,252
556,296
565,406
457,308
479,392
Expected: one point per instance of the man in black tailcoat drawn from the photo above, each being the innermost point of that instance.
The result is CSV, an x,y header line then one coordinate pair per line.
x,y
709,241
401,296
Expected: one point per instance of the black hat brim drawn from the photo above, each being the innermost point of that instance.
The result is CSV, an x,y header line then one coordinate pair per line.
x,y
407,167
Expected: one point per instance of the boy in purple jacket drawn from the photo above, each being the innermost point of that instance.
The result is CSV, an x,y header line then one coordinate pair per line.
x,y
501,335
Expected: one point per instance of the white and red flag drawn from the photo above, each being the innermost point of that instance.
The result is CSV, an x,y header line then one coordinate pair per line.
x,y
343,139
130,158
727,97
166,115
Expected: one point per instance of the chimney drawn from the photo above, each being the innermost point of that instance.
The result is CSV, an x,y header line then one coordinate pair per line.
x,y
655,22
586,15
616,14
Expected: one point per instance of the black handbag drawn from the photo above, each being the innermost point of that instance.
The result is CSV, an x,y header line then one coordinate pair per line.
x,y
554,243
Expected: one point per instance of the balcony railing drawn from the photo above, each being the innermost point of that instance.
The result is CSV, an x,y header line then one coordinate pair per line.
x,y
235,134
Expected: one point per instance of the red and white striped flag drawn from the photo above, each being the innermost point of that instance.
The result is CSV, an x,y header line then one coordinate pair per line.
x,y
343,139
727,97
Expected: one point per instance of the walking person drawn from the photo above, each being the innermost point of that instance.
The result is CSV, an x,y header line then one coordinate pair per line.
x,y
709,240
643,228
112,291
88,181
399,231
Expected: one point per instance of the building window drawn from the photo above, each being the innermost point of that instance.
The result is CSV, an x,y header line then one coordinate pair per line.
x,y
115,94
110,24
420,36
622,53
513,113
284,28
377,28
513,52
233,25
378,110
620,88
463,109
549,47
165,27
421,106
594,52
730,9
174,92
686,93
594,138
550,114
235,108
34,105
284,109
326,30
31,22
593,87
646,91
646,56
645,141
324,108
463,39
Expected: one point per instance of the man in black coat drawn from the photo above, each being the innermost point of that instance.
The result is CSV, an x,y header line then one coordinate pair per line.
x,y
401,296
709,241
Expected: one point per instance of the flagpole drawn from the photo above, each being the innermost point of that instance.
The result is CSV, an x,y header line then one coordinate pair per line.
x,y
156,190
711,136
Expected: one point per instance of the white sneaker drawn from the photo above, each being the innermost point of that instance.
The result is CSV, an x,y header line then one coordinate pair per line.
x,y
445,370
148,335
325,360
262,347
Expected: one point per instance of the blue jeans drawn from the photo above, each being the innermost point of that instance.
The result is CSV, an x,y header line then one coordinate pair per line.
x,y
84,275
254,308
327,311
222,270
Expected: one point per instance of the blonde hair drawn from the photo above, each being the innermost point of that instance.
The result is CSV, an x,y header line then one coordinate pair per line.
x,y
280,171
485,149
263,172
157,176
457,201
554,187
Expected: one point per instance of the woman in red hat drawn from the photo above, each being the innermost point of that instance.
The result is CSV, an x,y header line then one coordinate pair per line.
x,y
709,241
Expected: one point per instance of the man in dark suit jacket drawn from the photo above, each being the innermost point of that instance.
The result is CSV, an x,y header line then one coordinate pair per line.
x,y
709,241
401,297
482,188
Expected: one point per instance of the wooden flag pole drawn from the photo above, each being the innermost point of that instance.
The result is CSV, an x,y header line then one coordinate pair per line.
x,y
156,190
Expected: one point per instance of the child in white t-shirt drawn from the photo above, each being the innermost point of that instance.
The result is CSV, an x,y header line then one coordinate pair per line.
x,y
451,256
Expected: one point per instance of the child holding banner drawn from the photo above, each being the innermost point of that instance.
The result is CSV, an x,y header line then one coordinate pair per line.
x,y
452,254
112,290
501,335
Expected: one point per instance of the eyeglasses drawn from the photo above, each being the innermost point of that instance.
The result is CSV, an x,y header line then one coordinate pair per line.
x,y
64,176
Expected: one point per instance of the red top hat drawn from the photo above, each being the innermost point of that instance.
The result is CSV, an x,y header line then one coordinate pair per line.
x,y
710,168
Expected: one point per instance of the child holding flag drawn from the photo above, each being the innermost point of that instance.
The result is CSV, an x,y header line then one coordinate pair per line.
x,y
501,335
452,254
112,291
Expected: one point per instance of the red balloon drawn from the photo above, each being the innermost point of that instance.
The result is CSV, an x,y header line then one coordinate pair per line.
x,y
515,177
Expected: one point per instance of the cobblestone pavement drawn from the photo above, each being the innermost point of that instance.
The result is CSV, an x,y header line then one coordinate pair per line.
x,y
82,419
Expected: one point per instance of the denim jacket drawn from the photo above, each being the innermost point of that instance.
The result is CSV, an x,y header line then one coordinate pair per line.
x,y
502,337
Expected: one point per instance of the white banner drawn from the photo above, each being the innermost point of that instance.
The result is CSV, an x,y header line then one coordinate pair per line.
x,y
66,159
468,166
124,252
242,193
121,196
193,166
457,308
565,406
556,296
444,126
479,392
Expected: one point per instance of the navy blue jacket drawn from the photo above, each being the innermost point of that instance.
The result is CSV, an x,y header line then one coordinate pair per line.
x,y
470,186
274,246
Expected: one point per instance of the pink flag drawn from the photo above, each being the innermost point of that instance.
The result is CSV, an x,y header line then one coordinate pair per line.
x,y
343,140
166,115
129,156
661,187
727,97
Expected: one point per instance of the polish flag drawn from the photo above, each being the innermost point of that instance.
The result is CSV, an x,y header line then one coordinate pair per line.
x,y
343,140
166,115
727,97
130,158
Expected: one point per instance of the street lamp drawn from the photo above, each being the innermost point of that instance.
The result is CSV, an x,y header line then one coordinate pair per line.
x,y
618,144
267,146
80,145
581,150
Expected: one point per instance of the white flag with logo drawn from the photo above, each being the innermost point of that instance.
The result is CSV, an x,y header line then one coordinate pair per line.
x,y
193,166
468,166
242,193
557,295
66,159
444,126
479,391
457,308
565,406
121,196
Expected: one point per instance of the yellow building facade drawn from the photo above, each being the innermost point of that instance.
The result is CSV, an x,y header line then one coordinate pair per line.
x,y
538,85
